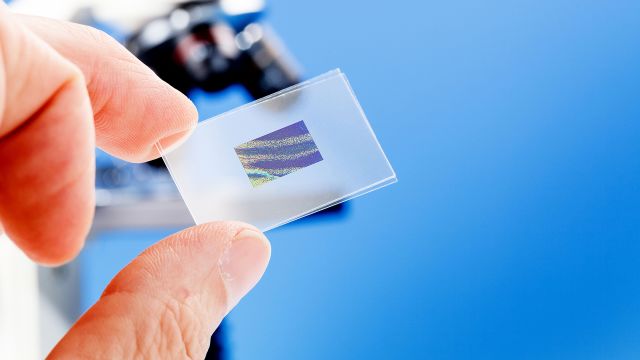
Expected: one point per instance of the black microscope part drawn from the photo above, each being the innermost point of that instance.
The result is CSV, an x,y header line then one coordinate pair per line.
x,y
199,46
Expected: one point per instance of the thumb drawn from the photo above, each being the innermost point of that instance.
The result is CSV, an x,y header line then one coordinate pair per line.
x,y
168,301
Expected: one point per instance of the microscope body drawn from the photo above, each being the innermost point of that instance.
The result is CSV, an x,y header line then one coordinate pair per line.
x,y
201,45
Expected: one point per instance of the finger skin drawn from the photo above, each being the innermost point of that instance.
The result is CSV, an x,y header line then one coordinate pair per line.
x,y
47,132
46,147
165,304
133,107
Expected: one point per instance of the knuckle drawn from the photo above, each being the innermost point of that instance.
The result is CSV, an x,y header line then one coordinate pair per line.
x,y
178,331
75,75
170,328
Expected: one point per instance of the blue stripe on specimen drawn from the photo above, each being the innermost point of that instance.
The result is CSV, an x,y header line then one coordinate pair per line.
x,y
278,153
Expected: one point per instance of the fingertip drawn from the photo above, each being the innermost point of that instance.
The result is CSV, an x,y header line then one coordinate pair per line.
x,y
181,113
243,259
189,114
202,258
243,263
62,254
58,238
167,118
134,109
58,246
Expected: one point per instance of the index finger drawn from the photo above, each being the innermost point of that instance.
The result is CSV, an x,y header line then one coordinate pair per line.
x,y
133,108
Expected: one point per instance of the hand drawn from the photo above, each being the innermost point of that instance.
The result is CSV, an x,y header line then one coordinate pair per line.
x,y
65,88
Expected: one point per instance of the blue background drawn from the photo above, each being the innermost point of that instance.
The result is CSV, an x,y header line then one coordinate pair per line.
x,y
513,232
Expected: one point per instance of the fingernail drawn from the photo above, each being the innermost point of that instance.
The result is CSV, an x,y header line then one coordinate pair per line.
x,y
243,263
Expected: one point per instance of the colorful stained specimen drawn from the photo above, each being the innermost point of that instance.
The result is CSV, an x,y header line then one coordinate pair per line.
x,y
278,153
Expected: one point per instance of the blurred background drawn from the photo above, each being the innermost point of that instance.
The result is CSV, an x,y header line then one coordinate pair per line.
x,y
514,128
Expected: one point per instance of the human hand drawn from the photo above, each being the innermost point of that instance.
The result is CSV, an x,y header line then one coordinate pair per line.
x,y
65,88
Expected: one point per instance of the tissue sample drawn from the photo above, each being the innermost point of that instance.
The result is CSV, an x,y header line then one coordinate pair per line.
x,y
278,153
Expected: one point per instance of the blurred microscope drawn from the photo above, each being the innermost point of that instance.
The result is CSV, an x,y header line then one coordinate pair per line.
x,y
210,45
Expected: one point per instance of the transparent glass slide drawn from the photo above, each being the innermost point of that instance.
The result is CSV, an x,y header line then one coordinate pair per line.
x,y
282,157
